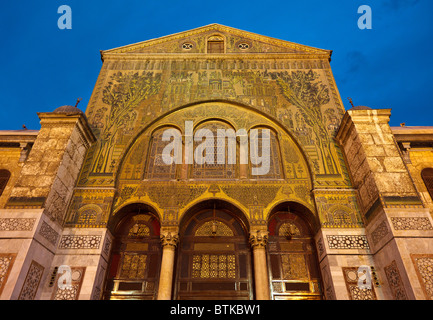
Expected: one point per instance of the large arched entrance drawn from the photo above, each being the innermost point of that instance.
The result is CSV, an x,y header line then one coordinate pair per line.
x,y
136,256
214,256
293,267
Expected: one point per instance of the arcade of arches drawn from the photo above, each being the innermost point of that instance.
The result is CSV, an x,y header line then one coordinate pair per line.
x,y
214,254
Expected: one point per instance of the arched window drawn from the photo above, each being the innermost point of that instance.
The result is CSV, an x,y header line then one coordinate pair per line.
x,y
215,44
270,163
214,154
156,168
427,177
4,178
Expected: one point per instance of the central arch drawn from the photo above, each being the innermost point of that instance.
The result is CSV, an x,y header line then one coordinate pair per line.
x,y
214,256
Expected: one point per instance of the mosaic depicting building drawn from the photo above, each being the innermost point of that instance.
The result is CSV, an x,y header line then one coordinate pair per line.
x,y
89,210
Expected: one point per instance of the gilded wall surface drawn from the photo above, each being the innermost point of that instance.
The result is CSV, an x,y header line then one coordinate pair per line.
x,y
256,81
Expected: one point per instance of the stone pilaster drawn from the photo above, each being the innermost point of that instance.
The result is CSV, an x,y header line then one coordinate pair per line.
x,y
38,201
398,227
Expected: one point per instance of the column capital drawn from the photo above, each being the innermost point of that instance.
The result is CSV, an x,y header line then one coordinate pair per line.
x,y
169,237
258,238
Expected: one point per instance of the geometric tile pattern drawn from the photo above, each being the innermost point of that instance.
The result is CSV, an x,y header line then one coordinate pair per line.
x,y
80,242
414,223
347,242
11,224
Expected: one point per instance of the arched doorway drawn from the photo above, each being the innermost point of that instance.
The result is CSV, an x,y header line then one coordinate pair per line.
x,y
293,267
136,256
214,256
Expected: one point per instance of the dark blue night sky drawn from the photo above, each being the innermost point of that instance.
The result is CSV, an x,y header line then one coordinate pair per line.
x,y
43,67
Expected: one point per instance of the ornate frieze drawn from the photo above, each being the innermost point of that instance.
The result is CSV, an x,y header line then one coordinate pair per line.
x,y
347,242
80,242
411,223
17,224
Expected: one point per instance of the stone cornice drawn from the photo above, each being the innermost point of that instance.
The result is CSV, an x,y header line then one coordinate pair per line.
x,y
207,56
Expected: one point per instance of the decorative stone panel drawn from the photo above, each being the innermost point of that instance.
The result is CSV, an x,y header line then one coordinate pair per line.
x,y
6,262
73,291
379,233
395,282
31,283
411,223
424,268
17,224
49,233
356,292
80,242
347,242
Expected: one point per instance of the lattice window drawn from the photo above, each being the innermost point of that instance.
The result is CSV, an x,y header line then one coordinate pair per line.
x,y
217,150
4,178
156,168
214,266
427,176
214,228
133,266
272,160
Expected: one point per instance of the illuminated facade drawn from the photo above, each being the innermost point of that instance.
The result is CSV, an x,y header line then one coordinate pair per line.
x,y
88,198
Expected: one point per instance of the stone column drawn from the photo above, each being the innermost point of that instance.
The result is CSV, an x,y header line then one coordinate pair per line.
x,y
169,239
258,241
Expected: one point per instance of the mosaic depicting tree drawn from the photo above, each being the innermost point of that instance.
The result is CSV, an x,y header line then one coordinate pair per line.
x,y
123,93
306,93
